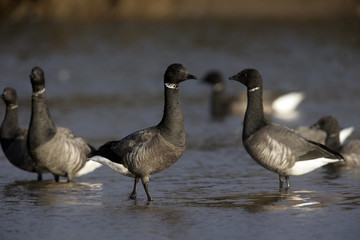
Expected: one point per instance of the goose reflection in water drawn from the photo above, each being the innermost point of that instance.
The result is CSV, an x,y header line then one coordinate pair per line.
x,y
46,193
267,201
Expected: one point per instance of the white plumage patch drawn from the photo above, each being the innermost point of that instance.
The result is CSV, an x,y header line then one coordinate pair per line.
x,y
303,167
345,133
89,167
288,102
113,165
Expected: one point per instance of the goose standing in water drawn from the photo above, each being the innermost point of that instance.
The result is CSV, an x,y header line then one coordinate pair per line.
x,y
275,147
54,149
153,149
13,138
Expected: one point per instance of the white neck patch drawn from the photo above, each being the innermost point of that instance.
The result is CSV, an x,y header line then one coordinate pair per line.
x,y
39,92
254,89
14,106
171,85
218,87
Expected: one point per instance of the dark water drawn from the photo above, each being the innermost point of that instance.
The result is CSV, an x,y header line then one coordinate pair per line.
x,y
104,81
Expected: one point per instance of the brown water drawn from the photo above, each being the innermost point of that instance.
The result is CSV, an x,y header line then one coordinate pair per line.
x,y
104,81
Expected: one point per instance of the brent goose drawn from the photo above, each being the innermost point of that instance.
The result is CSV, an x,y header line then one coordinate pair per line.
x,y
13,138
314,133
275,147
350,150
281,104
153,149
54,149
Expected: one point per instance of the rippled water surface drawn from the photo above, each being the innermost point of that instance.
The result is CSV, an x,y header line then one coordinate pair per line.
x,y
104,81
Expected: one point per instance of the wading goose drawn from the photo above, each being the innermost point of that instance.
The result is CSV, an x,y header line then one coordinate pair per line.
x,y
13,138
153,149
350,150
275,147
280,104
54,149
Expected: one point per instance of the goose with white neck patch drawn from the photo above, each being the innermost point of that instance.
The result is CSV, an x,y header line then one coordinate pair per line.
x,y
275,147
13,138
153,149
54,149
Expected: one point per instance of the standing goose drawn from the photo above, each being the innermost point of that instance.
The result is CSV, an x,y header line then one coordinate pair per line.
x,y
153,149
13,138
350,150
54,149
277,148
281,104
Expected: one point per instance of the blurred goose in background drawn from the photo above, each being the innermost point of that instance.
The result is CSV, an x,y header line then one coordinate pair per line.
x,y
275,147
314,133
350,150
279,104
13,138
54,149
153,149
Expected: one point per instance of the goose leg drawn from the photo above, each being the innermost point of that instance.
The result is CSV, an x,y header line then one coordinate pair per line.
x,y
39,177
56,177
287,181
133,194
281,181
145,182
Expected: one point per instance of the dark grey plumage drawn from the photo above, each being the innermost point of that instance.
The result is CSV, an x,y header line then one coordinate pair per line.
x,y
153,149
13,138
277,148
278,103
54,149
350,150
311,133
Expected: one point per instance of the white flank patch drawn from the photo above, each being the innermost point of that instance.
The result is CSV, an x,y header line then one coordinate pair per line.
x,y
288,102
306,204
303,167
89,167
345,133
114,166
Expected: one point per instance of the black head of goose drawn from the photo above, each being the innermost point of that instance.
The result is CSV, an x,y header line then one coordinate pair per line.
x,y
220,102
153,149
275,147
54,149
331,127
350,150
13,138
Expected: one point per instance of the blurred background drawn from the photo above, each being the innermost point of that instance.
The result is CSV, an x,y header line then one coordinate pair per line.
x,y
97,10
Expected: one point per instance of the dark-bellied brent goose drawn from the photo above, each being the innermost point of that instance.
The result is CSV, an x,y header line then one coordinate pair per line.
x,y
153,149
314,133
54,149
275,147
350,149
280,104
13,138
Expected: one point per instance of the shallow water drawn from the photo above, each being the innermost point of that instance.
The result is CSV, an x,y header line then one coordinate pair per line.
x,y
104,81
